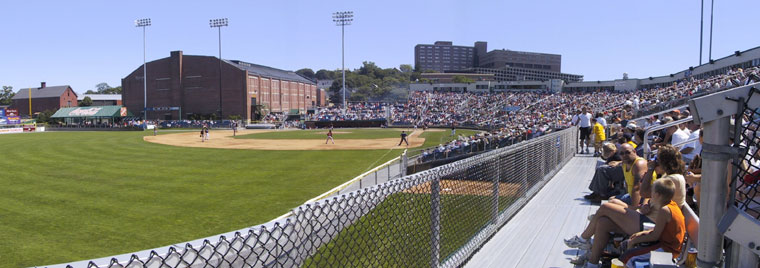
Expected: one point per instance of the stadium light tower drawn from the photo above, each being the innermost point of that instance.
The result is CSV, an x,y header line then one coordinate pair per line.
x,y
219,23
701,25
712,8
144,23
342,19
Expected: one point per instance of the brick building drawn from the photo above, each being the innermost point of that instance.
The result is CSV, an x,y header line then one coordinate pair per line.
x,y
44,98
192,84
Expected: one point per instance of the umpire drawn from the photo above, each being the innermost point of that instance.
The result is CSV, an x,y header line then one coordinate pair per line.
x,y
403,139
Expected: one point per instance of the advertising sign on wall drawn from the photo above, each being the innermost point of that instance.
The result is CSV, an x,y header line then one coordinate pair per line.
x,y
11,112
11,130
13,120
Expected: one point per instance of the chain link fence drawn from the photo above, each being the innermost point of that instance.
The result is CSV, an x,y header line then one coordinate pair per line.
x,y
435,218
746,175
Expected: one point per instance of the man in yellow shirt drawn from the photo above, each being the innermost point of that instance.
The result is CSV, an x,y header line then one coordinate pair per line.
x,y
599,136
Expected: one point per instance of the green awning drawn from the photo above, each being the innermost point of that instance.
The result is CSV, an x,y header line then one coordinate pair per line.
x,y
91,111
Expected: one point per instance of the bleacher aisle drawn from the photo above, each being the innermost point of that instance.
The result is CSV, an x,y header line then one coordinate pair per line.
x,y
533,237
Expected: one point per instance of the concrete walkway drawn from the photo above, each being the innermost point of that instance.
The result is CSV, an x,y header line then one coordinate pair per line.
x,y
533,237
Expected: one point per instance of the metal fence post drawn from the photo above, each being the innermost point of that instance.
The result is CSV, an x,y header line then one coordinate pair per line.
x,y
496,179
435,222
714,190
388,171
524,171
404,162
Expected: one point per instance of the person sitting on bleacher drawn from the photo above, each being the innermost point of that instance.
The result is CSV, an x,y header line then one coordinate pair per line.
x,y
616,216
634,168
608,179
669,229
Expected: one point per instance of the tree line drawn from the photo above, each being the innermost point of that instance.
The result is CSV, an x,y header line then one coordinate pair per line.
x,y
367,83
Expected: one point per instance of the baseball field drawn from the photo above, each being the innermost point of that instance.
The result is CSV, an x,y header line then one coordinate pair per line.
x,y
70,196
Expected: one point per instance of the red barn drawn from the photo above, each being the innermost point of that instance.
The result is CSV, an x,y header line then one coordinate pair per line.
x,y
44,98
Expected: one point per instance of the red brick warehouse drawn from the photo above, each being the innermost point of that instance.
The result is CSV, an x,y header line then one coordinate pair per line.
x,y
192,83
44,98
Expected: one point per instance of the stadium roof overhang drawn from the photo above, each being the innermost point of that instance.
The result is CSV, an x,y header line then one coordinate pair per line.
x,y
92,112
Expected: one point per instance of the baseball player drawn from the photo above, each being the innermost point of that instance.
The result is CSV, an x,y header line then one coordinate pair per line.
x,y
330,136
403,139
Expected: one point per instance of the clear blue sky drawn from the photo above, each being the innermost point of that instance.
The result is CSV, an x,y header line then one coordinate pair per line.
x,y
83,43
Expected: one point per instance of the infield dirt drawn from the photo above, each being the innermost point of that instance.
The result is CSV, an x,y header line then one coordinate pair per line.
x,y
223,139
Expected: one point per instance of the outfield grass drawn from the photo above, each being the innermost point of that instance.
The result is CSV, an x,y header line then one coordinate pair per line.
x,y
321,134
397,233
69,196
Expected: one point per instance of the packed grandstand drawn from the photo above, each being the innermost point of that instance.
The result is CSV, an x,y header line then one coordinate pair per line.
x,y
515,116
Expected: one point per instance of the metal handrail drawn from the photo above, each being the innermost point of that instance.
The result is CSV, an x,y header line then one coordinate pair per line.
x,y
659,127
676,145
659,113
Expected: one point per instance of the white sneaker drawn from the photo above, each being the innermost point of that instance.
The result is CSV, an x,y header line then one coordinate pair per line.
x,y
580,259
578,242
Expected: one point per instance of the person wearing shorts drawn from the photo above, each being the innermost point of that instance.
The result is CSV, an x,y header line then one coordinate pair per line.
x,y
330,136
584,122
403,139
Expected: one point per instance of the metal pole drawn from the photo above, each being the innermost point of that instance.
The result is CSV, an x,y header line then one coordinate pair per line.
x,y
404,162
435,223
220,73
145,81
343,63
713,192
495,204
712,7
388,171
701,23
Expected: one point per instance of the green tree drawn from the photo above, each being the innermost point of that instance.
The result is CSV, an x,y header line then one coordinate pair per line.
x,y
45,117
6,95
306,72
324,75
104,88
87,101
461,79
405,68
113,90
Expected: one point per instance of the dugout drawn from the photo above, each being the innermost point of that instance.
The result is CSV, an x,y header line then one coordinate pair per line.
x,y
92,115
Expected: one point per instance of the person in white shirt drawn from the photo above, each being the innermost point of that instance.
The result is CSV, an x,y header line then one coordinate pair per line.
x,y
584,122
601,120
575,119
679,136
692,149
